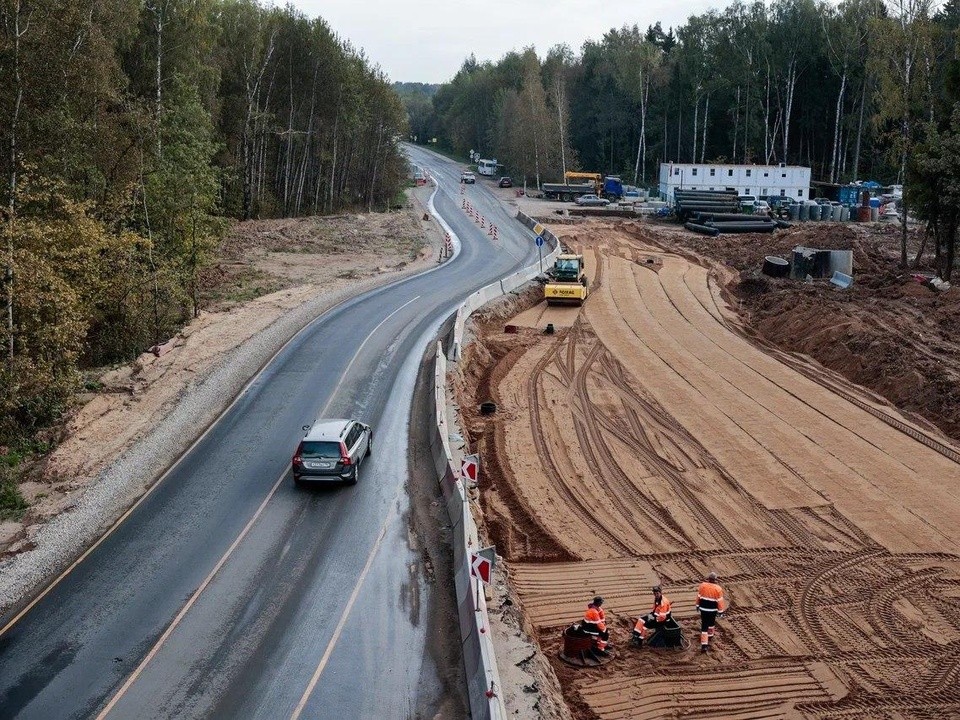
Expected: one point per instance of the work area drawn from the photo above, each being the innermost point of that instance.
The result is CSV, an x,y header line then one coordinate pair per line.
x,y
719,493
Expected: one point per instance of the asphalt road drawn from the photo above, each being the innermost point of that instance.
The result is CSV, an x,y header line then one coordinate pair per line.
x,y
228,592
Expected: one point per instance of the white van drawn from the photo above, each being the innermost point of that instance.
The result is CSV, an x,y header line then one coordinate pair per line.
x,y
487,167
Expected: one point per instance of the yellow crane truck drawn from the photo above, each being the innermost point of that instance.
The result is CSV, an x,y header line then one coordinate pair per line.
x,y
567,283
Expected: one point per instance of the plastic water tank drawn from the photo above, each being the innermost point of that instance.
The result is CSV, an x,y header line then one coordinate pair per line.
x,y
836,211
804,212
794,211
844,213
874,213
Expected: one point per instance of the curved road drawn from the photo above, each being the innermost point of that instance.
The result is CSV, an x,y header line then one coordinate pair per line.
x,y
228,592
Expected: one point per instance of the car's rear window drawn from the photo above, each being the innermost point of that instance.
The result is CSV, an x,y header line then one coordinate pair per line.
x,y
320,449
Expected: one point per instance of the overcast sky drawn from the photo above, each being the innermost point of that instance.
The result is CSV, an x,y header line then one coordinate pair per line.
x,y
428,40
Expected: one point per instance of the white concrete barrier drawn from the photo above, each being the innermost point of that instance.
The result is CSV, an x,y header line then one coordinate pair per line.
x,y
480,663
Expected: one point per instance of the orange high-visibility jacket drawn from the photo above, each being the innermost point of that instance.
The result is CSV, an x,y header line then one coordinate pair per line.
x,y
592,615
661,609
659,612
710,597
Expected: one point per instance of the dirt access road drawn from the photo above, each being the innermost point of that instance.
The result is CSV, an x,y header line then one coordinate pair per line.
x,y
651,441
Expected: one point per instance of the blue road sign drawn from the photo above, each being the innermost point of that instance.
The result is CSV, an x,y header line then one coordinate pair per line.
x,y
539,240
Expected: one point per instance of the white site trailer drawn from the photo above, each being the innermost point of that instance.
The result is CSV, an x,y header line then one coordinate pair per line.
x,y
757,180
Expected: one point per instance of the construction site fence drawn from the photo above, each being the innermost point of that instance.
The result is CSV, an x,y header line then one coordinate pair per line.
x,y
480,664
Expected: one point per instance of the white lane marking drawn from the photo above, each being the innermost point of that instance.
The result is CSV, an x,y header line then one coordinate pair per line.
x,y
343,376
193,599
165,474
343,618
243,533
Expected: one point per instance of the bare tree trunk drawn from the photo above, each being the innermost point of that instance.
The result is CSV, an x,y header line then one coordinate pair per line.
x,y
703,142
307,144
644,104
746,113
17,32
788,111
250,123
679,132
836,125
736,128
856,147
643,110
333,160
767,140
158,9
696,123
561,98
373,176
923,247
288,156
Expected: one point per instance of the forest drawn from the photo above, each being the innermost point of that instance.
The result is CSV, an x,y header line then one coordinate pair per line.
x,y
846,88
131,133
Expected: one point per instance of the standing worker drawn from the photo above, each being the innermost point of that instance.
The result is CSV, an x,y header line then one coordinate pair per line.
x,y
653,620
710,603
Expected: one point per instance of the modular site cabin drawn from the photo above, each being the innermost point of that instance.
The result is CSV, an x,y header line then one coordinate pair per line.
x,y
762,181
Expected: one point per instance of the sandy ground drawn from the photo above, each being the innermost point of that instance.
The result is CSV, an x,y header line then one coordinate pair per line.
x,y
656,437
271,277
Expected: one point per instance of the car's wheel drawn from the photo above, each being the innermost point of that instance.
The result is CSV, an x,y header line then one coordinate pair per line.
x,y
369,446
297,481
352,480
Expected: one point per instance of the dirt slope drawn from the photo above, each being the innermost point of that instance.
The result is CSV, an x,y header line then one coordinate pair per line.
x,y
653,441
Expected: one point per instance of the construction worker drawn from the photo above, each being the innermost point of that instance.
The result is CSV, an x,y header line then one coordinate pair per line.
x,y
710,603
653,620
595,624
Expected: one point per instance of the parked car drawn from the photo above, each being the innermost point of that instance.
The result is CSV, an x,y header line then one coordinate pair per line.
x,y
505,182
332,450
761,207
468,177
592,201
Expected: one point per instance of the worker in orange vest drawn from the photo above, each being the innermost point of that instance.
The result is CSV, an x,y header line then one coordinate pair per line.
x,y
653,620
711,604
595,624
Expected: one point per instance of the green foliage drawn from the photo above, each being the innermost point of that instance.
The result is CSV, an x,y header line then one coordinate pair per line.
x,y
794,81
12,503
131,129
933,187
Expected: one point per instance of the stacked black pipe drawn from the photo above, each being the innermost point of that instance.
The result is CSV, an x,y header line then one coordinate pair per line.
x,y
713,224
688,202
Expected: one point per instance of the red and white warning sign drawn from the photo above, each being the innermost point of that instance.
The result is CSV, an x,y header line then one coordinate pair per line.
x,y
470,468
481,564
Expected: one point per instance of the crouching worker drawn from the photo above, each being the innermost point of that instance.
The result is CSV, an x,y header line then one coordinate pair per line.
x,y
654,620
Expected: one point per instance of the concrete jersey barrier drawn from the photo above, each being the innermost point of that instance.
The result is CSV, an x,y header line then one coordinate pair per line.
x,y
480,663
